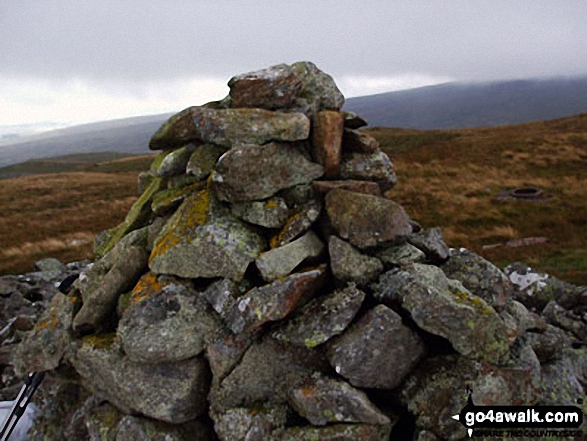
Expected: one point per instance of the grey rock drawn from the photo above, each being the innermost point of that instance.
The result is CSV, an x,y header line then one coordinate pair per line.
x,y
321,318
103,283
281,261
271,213
436,390
319,91
323,400
221,295
203,239
225,353
297,224
50,264
550,344
358,141
431,242
568,320
203,160
400,255
171,392
366,220
44,346
174,323
479,276
267,371
275,87
378,351
350,265
249,424
445,307
175,162
353,121
374,166
228,127
250,172
366,187
133,428
275,301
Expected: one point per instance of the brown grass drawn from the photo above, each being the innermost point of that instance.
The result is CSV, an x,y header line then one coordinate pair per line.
x,y
446,178
57,215
453,179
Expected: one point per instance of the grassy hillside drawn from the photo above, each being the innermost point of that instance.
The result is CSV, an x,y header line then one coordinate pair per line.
x,y
454,179
446,178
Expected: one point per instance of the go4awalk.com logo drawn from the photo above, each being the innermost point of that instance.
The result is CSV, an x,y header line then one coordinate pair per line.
x,y
520,421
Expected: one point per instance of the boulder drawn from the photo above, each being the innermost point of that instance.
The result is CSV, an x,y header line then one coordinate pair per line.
x,y
249,172
229,127
321,318
203,160
378,351
281,261
349,265
357,141
446,308
272,88
365,220
203,239
374,167
270,213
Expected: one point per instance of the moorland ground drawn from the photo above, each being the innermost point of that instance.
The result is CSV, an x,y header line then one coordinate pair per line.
x,y
447,178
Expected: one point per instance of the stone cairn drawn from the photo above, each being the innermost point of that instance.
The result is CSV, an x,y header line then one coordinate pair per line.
x,y
265,286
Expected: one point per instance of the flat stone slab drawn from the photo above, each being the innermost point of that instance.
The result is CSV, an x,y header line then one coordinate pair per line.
x,y
365,220
350,265
374,167
271,88
228,127
323,400
270,213
251,172
203,239
431,242
172,392
174,323
274,301
445,307
321,318
281,261
378,351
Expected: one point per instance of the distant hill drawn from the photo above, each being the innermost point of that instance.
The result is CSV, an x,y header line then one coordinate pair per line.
x,y
128,136
457,105
444,106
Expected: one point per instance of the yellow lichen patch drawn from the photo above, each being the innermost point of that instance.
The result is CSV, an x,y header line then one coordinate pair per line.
x,y
192,213
100,341
473,301
271,204
145,287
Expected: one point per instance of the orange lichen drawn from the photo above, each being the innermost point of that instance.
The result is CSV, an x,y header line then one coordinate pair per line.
x,y
145,287
278,238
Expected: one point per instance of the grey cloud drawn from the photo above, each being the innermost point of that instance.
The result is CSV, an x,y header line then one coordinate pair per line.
x,y
148,40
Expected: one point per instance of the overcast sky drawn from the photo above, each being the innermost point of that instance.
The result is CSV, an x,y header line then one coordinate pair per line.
x,y
71,61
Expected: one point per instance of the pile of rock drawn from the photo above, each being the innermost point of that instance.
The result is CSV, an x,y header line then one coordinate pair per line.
x,y
265,286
